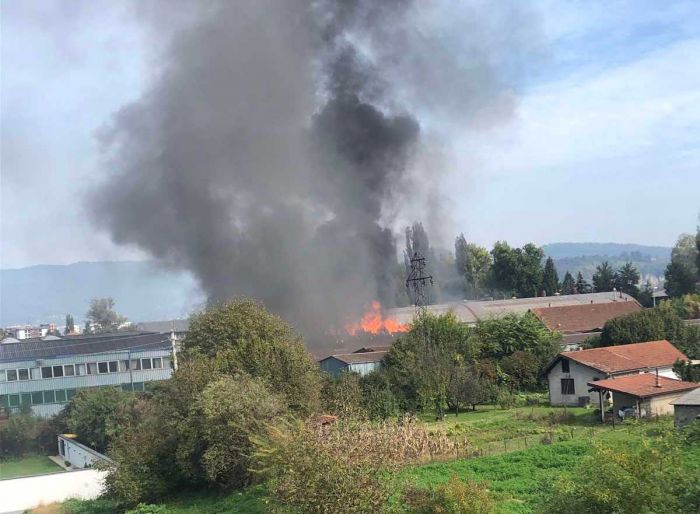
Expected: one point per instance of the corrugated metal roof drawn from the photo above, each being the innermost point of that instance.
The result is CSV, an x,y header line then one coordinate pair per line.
x,y
358,358
173,325
82,345
468,311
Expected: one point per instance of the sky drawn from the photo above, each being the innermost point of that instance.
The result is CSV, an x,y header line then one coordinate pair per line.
x,y
604,144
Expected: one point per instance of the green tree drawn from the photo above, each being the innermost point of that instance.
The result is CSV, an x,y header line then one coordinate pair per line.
x,y
517,271
604,278
646,295
473,262
679,279
647,325
70,324
101,317
499,337
228,427
550,280
568,285
421,363
92,414
378,399
246,338
523,370
582,286
627,280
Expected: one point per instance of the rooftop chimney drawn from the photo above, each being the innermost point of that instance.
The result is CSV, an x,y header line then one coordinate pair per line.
x,y
658,382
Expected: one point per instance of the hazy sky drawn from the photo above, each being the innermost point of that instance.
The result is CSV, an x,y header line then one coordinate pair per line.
x,y
604,146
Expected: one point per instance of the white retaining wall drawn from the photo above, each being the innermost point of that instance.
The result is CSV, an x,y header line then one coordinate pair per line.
x,y
19,494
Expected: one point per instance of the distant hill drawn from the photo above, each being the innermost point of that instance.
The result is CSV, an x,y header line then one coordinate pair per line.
x,y
141,290
651,261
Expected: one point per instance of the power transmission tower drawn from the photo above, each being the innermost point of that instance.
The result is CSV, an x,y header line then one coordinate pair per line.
x,y
418,282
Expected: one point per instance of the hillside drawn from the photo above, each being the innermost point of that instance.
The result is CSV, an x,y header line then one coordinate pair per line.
x,y
651,261
141,290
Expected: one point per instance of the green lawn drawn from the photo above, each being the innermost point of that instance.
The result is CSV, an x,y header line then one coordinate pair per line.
x,y
32,465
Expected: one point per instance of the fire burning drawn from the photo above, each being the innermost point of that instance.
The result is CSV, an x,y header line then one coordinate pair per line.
x,y
373,322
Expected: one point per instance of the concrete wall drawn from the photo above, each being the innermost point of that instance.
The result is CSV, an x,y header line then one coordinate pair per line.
x,y
685,414
656,405
581,375
20,494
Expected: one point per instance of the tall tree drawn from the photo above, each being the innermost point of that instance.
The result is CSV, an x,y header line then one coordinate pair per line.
x,y
473,262
568,285
679,279
70,324
604,278
102,317
582,286
627,280
517,271
550,280
417,242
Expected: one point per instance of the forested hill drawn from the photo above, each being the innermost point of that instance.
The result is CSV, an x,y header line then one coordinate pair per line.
x,y
141,291
584,257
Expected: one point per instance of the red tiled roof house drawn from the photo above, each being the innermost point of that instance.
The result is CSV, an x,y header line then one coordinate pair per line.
x,y
569,373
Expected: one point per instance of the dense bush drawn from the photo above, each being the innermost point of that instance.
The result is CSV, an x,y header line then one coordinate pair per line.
x,y
523,370
342,396
242,336
501,337
93,415
454,497
628,481
23,434
646,325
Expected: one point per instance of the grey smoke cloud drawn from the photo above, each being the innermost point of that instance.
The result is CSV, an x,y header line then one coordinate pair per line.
x,y
275,149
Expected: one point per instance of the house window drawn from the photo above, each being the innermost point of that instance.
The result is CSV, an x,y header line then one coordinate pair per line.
x,y
69,370
565,366
135,364
12,375
57,371
35,373
46,372
146,363
37,398
567,386
23,373
92,368
49,397
80,369
3,376
13,400
123,365
113,366
157,363
25,398
102,367
61,396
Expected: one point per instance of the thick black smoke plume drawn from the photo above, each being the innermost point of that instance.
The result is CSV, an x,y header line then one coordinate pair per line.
x,y
273,150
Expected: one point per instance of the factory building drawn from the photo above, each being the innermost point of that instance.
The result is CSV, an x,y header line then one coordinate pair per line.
x,y
44,374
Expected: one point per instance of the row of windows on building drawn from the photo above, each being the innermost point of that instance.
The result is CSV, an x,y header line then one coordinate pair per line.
x,y
54,396
88,368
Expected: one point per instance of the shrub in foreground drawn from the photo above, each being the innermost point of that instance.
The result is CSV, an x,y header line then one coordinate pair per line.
x,y
454,497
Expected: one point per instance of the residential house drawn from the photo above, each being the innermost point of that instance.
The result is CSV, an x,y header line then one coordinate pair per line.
x,y
362,363
569,373
686,409
646,394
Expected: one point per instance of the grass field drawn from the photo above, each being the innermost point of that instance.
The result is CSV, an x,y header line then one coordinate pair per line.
x,y
32,465
516,475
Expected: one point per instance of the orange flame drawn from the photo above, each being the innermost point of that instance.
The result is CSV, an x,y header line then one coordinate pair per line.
x,y
373,322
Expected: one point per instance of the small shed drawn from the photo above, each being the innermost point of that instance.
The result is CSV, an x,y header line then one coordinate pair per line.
x,y
648,394
78,455
362,363
686,409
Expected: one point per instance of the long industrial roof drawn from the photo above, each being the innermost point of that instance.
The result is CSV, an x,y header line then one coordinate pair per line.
x,y
83,345
471,311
